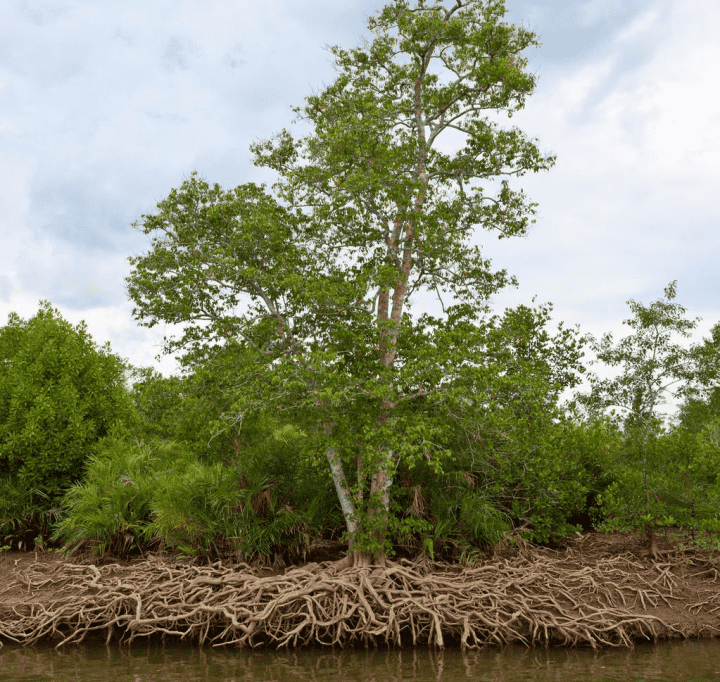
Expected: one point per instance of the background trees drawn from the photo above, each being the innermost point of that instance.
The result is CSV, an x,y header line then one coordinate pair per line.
x,y
653,368
658,478
316,294
701,406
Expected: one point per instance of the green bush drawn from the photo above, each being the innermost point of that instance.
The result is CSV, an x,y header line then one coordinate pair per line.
x,y
59,394
668,479
160,494
464,517
528,465
182,409
592,447
544,476
257,445
110,509
25,515
515,471
213,508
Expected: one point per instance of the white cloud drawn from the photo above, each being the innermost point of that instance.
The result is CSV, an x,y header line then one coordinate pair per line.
x,y
107,106
643,24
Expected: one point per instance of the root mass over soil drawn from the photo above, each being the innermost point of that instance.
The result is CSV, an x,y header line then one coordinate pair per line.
x,y
536,598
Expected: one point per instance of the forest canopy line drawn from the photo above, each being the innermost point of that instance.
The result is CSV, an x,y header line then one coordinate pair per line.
x,y
315,408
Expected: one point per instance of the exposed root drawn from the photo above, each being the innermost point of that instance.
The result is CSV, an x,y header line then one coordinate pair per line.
x,y
535,600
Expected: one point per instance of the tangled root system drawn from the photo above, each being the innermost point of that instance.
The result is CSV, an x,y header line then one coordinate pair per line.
x,y
530,599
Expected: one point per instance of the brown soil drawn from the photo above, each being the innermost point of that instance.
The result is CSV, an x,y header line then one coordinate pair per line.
x,y
598,590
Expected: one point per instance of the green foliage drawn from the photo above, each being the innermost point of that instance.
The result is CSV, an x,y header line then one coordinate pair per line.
x,y
708,354
24,513
514,476
465,516
59,394
592,448
652,475
530,367
185,410
702,402
111,507
653,368
265,454
145,495
701,473
696,413
497,413
193,410
534,472
669,480
705,465
640,484
312,298
199,506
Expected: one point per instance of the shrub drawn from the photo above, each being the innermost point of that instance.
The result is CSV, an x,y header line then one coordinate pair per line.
x,y
668,479
59,395
25,516
160,493
111,507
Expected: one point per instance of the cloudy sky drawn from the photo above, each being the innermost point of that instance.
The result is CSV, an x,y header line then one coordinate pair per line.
x,y
106,106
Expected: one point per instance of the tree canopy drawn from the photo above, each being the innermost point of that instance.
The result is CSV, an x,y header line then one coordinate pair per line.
x,y
59,395
653,367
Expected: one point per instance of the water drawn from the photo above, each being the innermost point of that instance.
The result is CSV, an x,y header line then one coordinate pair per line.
x,y
688,661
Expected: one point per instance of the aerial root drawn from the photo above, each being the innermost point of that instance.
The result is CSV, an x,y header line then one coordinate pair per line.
x,y
533,600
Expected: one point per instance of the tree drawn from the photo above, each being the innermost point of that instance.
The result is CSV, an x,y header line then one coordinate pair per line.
x,y
654,370
59,395
183,409
374,213
510,433
702,402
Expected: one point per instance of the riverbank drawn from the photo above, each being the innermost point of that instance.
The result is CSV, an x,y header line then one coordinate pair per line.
x,y
599,590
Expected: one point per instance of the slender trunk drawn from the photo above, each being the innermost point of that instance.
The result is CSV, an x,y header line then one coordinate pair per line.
x,y
380,493
360,464
380,484
343,492
399,241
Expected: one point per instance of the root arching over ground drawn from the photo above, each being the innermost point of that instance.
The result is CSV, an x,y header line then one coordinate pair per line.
x,y
537,597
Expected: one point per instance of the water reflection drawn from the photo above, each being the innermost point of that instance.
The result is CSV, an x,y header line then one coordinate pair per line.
x,y
689,661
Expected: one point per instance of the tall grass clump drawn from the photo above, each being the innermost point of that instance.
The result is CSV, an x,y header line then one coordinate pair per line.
x,y
25,515
269,501
110,509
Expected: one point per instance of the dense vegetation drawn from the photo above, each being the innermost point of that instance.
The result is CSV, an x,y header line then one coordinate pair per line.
x,y
161,466
59,395
313,405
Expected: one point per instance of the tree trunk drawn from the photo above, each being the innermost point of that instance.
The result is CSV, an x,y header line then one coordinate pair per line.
x,y
343,491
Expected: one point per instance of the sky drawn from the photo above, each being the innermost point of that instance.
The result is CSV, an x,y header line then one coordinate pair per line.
x,y
105,107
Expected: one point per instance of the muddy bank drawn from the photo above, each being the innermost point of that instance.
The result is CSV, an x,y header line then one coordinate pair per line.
x,y
598,591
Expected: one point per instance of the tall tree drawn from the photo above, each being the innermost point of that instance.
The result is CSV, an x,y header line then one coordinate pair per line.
x,y
654,369
374,214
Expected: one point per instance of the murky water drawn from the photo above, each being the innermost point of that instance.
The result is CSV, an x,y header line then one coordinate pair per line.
x,y
688,661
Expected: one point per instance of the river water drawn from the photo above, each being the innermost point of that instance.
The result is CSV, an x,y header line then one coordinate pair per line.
x,y
685,661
